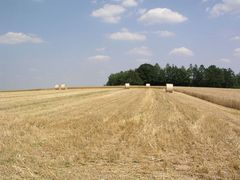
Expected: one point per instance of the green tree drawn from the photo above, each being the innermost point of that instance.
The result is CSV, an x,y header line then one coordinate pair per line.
x,y
133,78
201,76
148,73
121,78
237,81
192,76
229,78
214,76
183,76
161,75
169,74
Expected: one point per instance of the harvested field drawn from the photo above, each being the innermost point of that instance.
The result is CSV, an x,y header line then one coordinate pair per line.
x,y
225,97
116,134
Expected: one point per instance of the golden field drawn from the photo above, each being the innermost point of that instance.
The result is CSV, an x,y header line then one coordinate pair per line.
x,y
116,133
225,97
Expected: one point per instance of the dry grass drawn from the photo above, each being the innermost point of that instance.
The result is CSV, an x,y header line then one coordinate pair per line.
x,y
116,134
225,97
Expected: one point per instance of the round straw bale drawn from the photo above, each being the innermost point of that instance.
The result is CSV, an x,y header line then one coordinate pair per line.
x,y
63,86
56,87
127,85
169,88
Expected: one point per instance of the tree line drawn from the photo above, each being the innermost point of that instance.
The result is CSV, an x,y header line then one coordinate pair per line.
x,y
194,75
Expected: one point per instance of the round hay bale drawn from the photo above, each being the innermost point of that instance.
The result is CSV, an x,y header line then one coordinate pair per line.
x,y
56,87
127,85
169,88
63,86
148,85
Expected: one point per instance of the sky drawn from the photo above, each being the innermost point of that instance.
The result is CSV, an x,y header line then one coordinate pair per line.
x,y
81,42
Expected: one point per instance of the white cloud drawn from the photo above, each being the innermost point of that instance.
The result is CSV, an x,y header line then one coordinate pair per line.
x,y
141,51
237,52
100,49
141,11
165,34
225,60
18,38
130,3
142,61
226,6
100,58
182,51
125,35
162,16
109,13
236,38
94,1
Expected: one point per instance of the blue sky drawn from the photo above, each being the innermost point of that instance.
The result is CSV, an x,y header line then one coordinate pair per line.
x,y
81,42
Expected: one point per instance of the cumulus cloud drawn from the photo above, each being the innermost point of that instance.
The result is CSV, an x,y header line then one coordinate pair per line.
x,y
18,38
94,1
226,6
165,34
99,58
125,35
141,11
100,49
237,52
109,13
130,3
162,16
141,51
236,38
225,60
182,51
